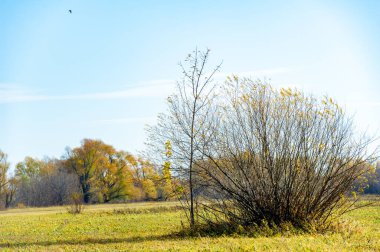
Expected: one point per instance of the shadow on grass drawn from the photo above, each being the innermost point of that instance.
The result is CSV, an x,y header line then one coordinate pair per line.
x,y
135,239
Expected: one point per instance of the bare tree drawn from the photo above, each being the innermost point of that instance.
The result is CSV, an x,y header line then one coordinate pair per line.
x,y
279,156
10,191
184,124
41,183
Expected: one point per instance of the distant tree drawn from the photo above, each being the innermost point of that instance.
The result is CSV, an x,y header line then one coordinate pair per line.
x,y
112,179
4,167
28,168
145,179
27,173
374,181
184,124
100,169
10,191
41,183
366,180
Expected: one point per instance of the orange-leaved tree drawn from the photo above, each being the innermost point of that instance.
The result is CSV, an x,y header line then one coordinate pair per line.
x,y
101,170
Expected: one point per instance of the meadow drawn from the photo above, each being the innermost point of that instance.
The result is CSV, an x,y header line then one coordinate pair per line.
x,y
154,227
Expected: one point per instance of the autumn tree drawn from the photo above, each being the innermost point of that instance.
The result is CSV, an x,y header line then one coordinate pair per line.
x,y
112,179
374,181
369,183
145,179
100,170
184,124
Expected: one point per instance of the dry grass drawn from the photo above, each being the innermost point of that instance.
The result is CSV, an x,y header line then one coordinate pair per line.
x,y
153,227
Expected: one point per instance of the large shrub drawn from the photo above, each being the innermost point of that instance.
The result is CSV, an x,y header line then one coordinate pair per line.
x,y
277,156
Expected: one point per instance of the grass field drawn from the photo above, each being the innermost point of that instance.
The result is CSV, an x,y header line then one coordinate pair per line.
x,y
150,226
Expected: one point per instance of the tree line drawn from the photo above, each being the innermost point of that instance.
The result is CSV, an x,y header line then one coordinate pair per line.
x,y
100,174
94,170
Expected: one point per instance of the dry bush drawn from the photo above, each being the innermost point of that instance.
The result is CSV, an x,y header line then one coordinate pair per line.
x,y
277,156
76,206
20,205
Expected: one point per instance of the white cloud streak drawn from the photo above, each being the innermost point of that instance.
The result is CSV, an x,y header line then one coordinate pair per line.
x,y
10,93
129,120
158,88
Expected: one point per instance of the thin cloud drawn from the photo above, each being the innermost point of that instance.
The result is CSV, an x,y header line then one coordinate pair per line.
x,y
150,89
10,93
127,120
13,93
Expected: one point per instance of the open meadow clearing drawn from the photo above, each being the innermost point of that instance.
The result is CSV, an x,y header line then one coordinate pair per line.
x,y
153,227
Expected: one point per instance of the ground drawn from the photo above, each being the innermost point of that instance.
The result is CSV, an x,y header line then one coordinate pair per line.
x,y
150,227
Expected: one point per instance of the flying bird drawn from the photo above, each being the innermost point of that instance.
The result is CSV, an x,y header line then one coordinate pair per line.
x,y
70,11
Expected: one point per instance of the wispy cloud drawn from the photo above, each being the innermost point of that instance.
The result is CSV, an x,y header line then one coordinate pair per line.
x,y
10,93
127,120
14,93
150,89
159,88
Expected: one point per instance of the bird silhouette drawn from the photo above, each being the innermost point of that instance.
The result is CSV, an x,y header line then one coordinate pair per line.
x,y
70,11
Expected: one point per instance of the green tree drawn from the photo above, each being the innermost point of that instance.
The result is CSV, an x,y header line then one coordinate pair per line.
x,y
4,167
28,168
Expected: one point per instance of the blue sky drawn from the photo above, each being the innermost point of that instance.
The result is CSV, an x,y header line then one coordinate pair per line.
x,y
104,71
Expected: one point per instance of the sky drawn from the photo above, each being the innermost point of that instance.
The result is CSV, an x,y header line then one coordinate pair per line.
x,y
104,71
